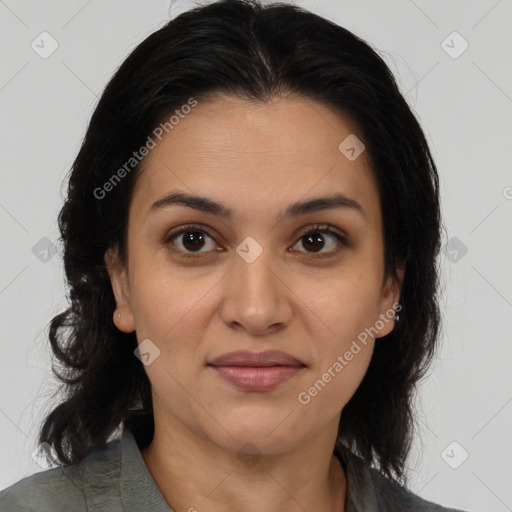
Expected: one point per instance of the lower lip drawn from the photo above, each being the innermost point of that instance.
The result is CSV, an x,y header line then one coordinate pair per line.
x,y
251,378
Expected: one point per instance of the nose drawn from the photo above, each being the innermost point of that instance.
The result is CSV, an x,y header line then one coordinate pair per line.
x,y
256,298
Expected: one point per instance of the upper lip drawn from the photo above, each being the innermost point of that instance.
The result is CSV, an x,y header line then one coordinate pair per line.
x,y
246,358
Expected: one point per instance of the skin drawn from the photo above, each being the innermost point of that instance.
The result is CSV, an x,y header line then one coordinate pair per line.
x,y
256,159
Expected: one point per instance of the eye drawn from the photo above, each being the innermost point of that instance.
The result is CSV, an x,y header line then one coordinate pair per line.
x,y
314,239
193,240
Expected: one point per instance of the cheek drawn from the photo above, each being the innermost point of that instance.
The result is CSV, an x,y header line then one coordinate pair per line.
x,y
336,380
167,299
340,306
341,316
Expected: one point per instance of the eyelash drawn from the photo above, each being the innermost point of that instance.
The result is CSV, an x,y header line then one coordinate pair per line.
x,y
317,228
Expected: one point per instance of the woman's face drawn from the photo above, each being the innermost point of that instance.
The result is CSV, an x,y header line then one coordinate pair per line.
x,y
262,278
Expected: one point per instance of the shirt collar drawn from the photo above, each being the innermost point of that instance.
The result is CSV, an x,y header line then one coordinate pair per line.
x,y
138,489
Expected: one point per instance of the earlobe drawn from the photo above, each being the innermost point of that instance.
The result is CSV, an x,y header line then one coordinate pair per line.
x,y
389,303
122,316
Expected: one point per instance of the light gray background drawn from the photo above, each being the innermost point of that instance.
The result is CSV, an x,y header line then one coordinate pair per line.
x,y
465,107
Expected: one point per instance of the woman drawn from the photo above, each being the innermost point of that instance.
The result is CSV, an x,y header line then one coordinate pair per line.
x,y
250,240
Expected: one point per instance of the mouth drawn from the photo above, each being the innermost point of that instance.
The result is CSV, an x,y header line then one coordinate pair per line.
x,y
256,359
253,371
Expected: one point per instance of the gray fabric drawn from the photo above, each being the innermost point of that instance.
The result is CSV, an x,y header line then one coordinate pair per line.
x,y
116,478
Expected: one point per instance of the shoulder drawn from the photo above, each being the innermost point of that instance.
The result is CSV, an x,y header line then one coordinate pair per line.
x,y
368,489
52,489
72,487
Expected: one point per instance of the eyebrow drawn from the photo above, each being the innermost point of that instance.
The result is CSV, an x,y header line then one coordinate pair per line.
x,y
204,204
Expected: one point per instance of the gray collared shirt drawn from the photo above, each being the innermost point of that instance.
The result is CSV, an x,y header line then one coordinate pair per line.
x,y
116,478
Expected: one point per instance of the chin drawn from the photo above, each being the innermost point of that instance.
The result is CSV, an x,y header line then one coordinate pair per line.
x,y
269,435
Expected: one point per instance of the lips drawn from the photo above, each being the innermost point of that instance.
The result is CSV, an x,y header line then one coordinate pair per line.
x,y
256,359
253,371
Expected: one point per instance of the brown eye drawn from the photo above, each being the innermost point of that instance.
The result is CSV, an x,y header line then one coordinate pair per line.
x,y
189,240
193,240
314,241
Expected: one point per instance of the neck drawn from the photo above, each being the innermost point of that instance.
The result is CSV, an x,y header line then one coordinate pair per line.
x,y
195,474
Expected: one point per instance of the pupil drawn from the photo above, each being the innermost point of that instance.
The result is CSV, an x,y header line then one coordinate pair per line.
x,y
193,243
310,239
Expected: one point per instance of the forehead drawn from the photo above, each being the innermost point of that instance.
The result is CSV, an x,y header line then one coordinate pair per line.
x,y
252,153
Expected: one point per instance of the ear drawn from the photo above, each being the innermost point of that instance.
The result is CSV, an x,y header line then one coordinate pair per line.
x,y
389,303
123,316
